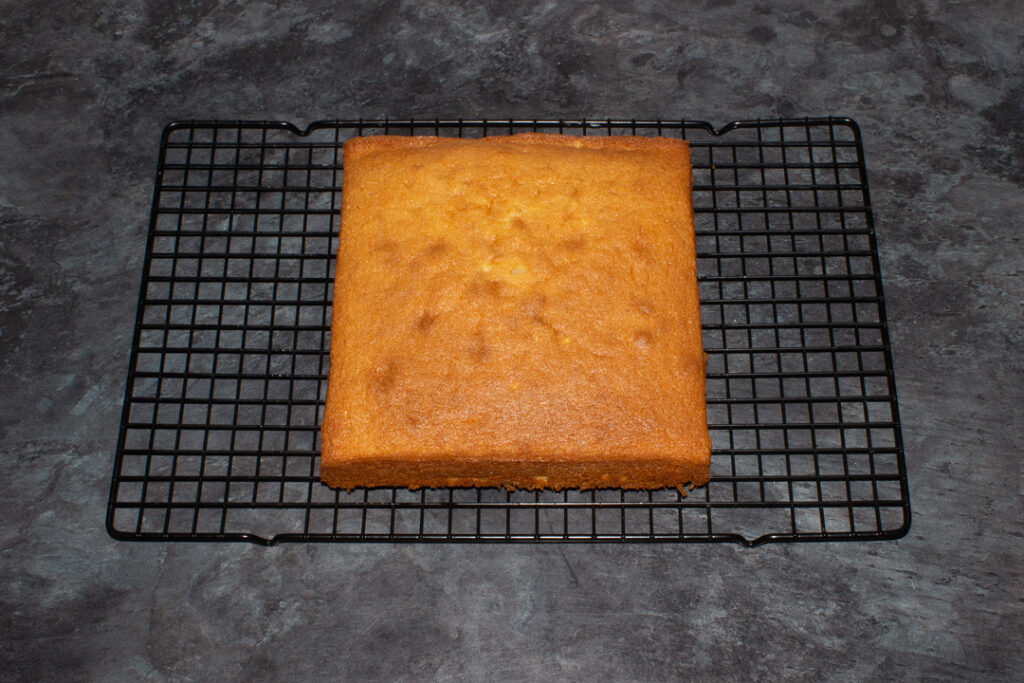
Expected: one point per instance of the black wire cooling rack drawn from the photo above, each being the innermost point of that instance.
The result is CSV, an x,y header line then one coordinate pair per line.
x,y
219,437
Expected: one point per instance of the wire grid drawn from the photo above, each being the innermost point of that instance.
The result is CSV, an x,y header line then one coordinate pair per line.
x,y
219,437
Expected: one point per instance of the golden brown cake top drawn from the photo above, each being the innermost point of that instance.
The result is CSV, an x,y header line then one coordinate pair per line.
x,y
522,297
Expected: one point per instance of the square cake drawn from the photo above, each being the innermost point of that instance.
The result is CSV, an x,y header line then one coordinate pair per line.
x,y
516,311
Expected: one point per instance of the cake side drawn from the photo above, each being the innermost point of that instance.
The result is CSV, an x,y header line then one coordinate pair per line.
x,y
516,311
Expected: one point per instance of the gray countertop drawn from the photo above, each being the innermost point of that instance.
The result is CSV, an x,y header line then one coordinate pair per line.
x,y
938,90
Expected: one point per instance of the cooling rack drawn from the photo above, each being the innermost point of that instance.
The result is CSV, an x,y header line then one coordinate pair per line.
x,y
219,435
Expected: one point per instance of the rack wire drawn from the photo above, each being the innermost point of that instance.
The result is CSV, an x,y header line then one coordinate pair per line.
x,y
219,436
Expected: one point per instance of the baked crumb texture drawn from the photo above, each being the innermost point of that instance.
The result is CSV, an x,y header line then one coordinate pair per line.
x,y
516,311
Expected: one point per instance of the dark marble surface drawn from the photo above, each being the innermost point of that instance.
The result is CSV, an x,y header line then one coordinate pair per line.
x,y
938,88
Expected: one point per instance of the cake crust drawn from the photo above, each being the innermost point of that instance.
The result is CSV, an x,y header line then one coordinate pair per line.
x,y
516,311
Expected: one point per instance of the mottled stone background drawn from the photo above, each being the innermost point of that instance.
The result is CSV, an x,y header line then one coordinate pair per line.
x,y
938,88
